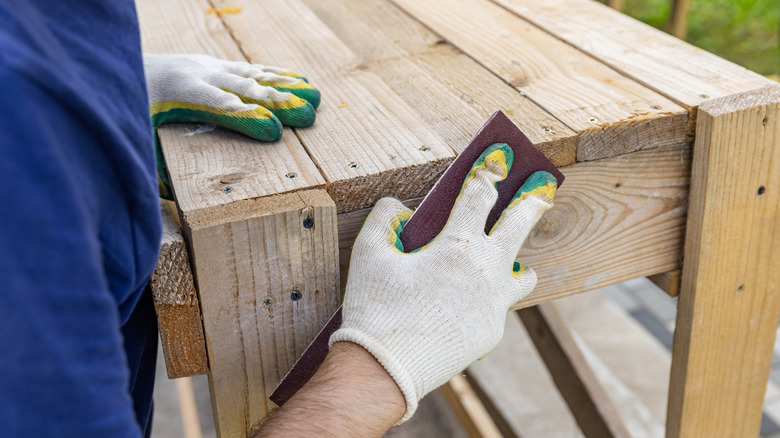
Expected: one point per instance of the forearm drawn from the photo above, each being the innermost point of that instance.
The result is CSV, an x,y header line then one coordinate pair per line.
x,y
351,395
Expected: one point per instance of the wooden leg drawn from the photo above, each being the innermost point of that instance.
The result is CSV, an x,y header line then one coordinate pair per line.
x,y
268,276
730,295
678,20
588,401
615,4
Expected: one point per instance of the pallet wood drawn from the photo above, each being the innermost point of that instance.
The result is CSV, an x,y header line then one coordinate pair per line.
x,y
729,303
490,406
614,220
685,74
451,92
220,166
668,281
176,304
267,273
468,408
611,114
587,399
367,142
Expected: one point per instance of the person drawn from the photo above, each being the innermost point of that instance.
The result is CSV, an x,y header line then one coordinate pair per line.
x,y
80,232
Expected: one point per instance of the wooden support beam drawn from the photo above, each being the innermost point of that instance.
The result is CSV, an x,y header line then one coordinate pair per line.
x,y
678,19
615,4
490,406
367,142
614,220
176,303
469,409
588,401
683,73
610,113
267,273
730,298
668,281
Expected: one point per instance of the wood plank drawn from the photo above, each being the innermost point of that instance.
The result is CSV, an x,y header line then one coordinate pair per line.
x,y
490,406
267,272
614,220
367,141
451,92
684,73
668,281
611,114
468,408
176,304
217,167
587,399
729,302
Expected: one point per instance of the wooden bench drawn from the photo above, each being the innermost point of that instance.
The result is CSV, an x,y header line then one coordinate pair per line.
x,y
671,155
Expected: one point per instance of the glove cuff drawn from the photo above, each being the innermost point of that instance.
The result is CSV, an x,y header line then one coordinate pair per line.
x,y
393,367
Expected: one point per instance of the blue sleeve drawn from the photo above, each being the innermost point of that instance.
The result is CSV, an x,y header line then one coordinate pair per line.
x,y
63,370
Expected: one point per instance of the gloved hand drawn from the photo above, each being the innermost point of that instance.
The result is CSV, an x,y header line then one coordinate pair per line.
x,y
249,98
427,315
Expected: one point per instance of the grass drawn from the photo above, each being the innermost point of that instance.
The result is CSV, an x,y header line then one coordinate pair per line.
x,y
743,31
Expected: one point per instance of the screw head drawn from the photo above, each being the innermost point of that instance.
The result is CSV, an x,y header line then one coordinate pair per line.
x,y
296,295
656,107
425,148
308,223
761,190
227,189
704,96
547,128
354,165
291,175
593,120
267,301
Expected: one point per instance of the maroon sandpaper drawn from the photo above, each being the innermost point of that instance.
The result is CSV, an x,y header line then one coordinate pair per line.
x,y
428,221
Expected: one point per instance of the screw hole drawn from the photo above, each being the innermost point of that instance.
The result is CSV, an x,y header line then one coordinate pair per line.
x,y
761,190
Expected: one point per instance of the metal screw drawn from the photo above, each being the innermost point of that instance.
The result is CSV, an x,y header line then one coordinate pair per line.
x,y
424,148
741,288
761,190
546,128
308,223
295,296
655,107
593,120
291,175
267,301
354,165
704,96
227,190
522,93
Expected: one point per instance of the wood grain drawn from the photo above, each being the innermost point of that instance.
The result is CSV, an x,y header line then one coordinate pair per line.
x,y
729,302
176,304
267,272
450,92
684,73
367,142
614,220
611,114
577,382
472,415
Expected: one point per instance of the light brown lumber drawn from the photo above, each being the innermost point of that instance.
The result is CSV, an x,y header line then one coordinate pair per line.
x,y
729,302
217,167
678,19
587,399
668,281
176,304
611,113
367,142
468,408
451,92
490,405
614,220
267,273
684,73
615,4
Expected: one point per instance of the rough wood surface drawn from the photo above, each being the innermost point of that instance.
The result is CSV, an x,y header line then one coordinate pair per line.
x,y
611,114
176,303
730,298
469,409
267,273
451,92
367,142
217,167
668,281
587,399
686,74
614,220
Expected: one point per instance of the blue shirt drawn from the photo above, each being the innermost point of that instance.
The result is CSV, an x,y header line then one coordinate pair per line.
x,y
79,221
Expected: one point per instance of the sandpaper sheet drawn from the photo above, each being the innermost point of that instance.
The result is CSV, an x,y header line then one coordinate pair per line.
x,y
428,220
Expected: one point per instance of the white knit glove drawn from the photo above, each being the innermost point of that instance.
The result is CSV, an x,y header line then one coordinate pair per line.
x,y
427,315
252,99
